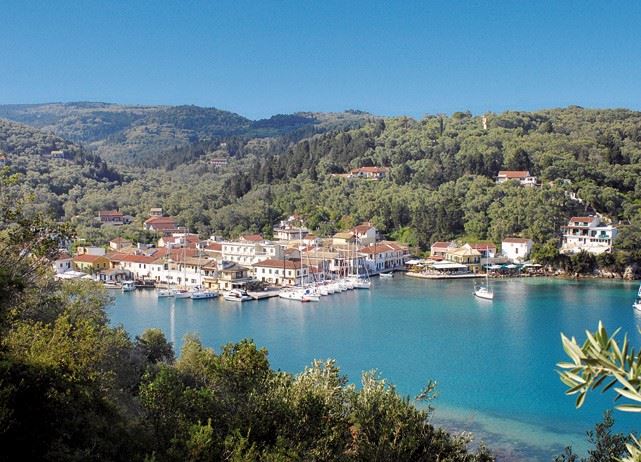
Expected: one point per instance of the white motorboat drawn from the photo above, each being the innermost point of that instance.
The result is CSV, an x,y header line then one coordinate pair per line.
x,y
237,295
637,303
359,283
128,286
202,294
182,293
389,275
162,293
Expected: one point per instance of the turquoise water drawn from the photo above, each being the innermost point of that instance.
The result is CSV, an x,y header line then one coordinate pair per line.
x,y
494,361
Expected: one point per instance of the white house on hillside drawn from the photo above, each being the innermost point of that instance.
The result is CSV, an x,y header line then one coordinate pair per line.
x,y
522,176
516,249
587,233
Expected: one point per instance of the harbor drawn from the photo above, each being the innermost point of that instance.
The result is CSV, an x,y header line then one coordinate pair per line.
x,y
441,331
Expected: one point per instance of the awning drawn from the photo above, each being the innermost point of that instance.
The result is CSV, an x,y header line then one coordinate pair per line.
x,y
445,265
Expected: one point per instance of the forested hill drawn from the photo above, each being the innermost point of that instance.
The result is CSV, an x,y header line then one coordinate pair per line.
x,y
166,135
48,165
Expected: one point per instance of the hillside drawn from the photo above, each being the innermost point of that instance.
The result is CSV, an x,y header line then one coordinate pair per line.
x,y
52,168
140,135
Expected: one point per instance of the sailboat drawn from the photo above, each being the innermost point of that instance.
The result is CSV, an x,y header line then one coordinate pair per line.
x,y
637,303
485,291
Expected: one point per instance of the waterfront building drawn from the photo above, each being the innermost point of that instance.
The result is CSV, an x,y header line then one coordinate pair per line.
x,y
281,272
465,255
522,176
589,234
384,256
440,248
516,249
232,276
248,252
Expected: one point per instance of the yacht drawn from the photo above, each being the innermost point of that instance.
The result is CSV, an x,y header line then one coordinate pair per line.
x,y
237,295
200,294
182,293
485,291
166,293
128,286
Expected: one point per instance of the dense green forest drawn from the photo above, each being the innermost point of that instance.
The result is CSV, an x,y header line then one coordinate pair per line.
x,y
441,183
72,388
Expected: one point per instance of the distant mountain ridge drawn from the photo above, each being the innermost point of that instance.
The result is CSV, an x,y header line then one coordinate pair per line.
x,y
135,134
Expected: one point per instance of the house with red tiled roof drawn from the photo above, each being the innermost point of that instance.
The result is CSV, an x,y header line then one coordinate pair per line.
x,y
251,238
119,243
111,217
522,176
486,249
281,272
589,234
62,261
371,173
90,263
179,240
166,225
364,233
384,256
440,248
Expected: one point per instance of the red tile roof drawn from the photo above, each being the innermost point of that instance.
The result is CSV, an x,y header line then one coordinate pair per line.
x,y
370,170
483,246
276,263
86,258
583,219
514,174
110,213
160,220
215,246
362,228
252,237
441,245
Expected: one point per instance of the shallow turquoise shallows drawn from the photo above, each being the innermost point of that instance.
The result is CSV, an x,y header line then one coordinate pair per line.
x,y
494,361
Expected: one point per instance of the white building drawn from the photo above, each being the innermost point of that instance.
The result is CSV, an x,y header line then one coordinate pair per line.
x,y
247,253
522,176
589,234
365,234
281,272
62,262
516,249
384,256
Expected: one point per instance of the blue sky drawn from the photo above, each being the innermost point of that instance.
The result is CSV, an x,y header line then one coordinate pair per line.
x,y
259,58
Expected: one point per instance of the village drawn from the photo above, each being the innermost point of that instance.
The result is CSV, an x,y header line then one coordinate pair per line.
x,y
294,256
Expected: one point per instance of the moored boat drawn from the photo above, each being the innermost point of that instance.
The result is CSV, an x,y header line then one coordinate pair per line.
x,y
389,275
128,286
237,295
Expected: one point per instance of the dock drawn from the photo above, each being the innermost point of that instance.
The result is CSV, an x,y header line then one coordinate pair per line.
x,y
263,294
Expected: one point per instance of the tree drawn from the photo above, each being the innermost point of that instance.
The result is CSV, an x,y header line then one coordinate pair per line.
x,y
601,363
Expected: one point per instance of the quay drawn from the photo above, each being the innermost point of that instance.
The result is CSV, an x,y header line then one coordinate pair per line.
x,y
263,294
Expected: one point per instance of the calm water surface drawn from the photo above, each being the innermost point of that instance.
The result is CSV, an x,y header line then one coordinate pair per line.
x,y
494,361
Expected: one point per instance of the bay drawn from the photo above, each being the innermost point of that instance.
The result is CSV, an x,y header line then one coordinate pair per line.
x,y
494,361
